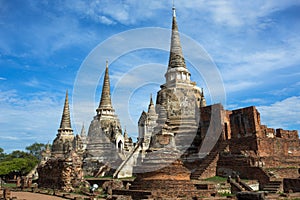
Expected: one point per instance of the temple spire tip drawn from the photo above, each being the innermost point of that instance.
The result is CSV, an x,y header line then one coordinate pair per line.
x,y
174,9
105,101
65,120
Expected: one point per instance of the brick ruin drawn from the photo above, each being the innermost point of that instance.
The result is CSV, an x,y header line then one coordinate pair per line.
x,y
255,151
258,145
61,167
61,173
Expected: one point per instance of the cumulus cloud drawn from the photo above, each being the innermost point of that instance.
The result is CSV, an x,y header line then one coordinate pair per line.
x,y
282,114
236,13
32,119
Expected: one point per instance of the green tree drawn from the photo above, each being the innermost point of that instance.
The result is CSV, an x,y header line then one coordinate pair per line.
x,y
2,154
17,162
35,149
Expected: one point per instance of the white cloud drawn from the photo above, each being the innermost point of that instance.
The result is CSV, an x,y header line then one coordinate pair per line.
x,y
106,20
254,100
32,82
110,11
236,13
225,13
10,138
282,114
32,119
238,85
246,69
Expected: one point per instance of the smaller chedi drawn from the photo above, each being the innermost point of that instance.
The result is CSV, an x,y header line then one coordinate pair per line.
x,y
61,168
98,153
65,140
106,147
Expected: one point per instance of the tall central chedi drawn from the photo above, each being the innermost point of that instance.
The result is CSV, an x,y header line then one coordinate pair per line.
x,y
104,140
173,138
178,102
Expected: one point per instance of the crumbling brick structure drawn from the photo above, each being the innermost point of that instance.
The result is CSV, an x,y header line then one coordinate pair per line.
x,y
61,173
253,147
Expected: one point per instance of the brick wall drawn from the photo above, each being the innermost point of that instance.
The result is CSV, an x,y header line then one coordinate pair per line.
x,y
286,172
287,134
291,185
238,145
61,173
212,120
244,122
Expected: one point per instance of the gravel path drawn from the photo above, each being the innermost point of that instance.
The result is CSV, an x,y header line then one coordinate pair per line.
x,y
33,196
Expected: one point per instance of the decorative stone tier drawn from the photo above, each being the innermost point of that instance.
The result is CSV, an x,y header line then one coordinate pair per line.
x,y
156,160
162,170
171,181
164,174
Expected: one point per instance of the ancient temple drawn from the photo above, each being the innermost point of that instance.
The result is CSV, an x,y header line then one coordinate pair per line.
x,y
178,102
61,168
65,140
181,140
128,143
105,141
146,124
176,117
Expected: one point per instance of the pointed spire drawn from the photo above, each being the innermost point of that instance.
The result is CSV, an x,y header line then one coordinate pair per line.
x,y
82,133
151,101
176,57
65,123
125,134
48,149
174,10
105,102
151,108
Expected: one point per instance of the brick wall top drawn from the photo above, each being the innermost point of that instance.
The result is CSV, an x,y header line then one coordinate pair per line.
x,y
287,134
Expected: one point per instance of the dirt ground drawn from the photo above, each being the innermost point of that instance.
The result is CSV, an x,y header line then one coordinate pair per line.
x,y
33,196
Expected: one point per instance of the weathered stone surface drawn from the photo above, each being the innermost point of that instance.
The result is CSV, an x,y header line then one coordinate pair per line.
x,y
61,173
250,196
291,185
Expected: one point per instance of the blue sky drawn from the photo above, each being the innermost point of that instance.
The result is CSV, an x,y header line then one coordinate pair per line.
x,y
45,45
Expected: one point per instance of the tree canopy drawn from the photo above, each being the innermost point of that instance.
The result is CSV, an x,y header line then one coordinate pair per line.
x,y
35,149
20,162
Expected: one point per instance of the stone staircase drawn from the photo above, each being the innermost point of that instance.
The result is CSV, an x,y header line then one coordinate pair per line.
x,y
238,185
135,194
273,186
126,160
208,164
245,186
168,189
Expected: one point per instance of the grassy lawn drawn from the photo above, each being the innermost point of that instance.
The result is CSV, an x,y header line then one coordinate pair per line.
x,y
217,179
9,185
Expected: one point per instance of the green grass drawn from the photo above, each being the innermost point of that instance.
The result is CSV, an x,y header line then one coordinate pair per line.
x,y
217,179
127,178
226,194
88,177
9,185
